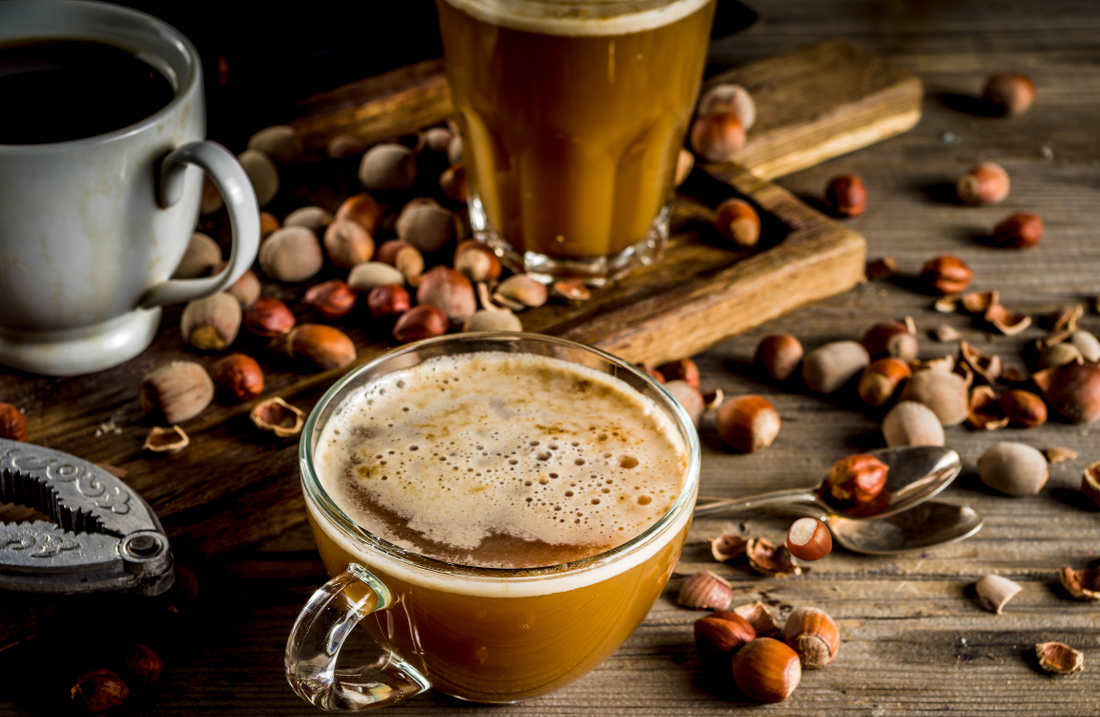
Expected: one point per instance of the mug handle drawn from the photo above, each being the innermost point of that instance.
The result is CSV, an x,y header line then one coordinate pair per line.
x,y
244,218
319,633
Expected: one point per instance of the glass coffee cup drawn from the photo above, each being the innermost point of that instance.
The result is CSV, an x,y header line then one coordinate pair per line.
x,y
507,624
572,116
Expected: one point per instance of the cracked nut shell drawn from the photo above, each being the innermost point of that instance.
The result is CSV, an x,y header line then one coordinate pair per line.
x,y
813,635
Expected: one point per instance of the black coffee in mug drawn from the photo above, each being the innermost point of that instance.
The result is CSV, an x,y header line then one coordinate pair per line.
x,y
60,90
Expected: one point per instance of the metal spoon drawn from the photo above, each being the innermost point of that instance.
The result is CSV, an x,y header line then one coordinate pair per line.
x,y
926,526
916,474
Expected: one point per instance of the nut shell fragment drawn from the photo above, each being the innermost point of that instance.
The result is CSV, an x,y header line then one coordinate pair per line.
x,y
166,440
812,634
1081,584
1059,454
278,416
1059,658
728,547
1090,482
994,592
768,559
985,410
704,590
760,617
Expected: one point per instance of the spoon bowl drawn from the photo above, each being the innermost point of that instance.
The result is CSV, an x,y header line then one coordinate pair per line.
x,y
927,525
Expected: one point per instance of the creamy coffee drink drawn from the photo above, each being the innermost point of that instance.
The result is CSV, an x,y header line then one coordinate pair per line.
x,y
500,461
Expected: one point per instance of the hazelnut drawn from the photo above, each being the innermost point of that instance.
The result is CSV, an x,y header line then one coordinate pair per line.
x,y
978,302
426,225
986,183
179,391
99,691
454,149
370,274
323,346
722,632
421,322
280,142
437,139
881,380
1090,481
747,423
211,323
211,197
523,291
651,372
778,355
13,424
912,424
404,257
166,440
277,416
1023,408
857,479
946,274
476,261
144,663
994,592
809,539
268,225
1087,344
388,300
736,220
450,291
728,547
766,670
846,195
453,182
1074,392
1059,658
268,317
1010,92
202,255
348,244
812,634
1081,584
703,590
314,219
245,289
363,209
717,137
388,167
488,320
944,393
883,268
1019,231
1013,469
682,370
685,162
891,338
770,560
292,254
729,97
345,145
239,376
331,299
689,398
1059,355
262,173
760,617
829,367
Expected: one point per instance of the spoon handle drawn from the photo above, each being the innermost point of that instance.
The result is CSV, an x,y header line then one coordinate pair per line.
x,y
739,505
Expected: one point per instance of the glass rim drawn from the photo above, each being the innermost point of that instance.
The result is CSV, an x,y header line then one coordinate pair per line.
x,y
316,493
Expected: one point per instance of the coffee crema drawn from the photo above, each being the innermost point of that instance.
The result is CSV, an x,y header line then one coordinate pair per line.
x,y
498,461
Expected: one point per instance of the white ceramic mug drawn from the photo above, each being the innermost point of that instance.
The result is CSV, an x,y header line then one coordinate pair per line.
x,y
92,229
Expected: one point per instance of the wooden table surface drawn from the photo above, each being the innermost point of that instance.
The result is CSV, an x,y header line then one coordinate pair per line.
x,y
914,638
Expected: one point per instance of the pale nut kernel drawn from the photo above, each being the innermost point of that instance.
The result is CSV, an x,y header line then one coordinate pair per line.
x,y
314,219
891,338
262,173
703,590
388,167
812,634
491,320
426,225
717,137
748,423
778,355
404,257
524,290
278,417
450,291
279,142
166,440
200,258
829,367
1014,469
729,97
477,261
437,139
211,323
767,670
912,424
454,150
986,183
370,274
363,209
238,376
348,244
421,322
882,379
737,221
944,393
323,346
1010,92
179,391
291,254
245,289
685,162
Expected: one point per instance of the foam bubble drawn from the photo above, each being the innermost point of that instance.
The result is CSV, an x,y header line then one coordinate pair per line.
x,y
583,19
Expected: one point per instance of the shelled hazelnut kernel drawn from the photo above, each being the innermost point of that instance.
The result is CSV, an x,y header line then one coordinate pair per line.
x,y
857,479
748,423
1010,92
331,299
1019,231
946,274
736,220
986,183
239,376
13,424
846,195
347,243
323,346
421,322
268,317
388,300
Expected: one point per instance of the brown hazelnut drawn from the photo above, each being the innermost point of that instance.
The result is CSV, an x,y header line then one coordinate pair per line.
x,y
882,379
268,317
1024,408
771,560
179,391
211,323
200,258
747,423
857,479
729,97
829,367
717,137
689,398
453,182
1081,584
493,320
315,219
262,173
1013,469
245,289
404,257
211,197
476,261
1087,344
846,195
370,274
145,664
1019,231
986,183
703,590
437,139
345,145
944,393
682,370
363,209
292,254
239,376
812,634
778,355
331,299
279,142
736,220
277,416
912,424
685,162
421,322
268,225
13,424
388,166
348,244
809,539
767,670
323,346
99,691
426,225
978,302
388,300
1010,92
1059,658
722,632
891,338
170,440
450,291
946,274
1074,392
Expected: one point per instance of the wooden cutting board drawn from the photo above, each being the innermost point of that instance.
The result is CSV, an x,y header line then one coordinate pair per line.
x,y
232,487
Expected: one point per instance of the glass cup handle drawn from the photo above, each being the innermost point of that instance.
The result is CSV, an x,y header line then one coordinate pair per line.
x,y
244,218
319,633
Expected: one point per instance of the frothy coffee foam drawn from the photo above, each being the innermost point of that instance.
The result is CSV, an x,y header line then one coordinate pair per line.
x,y
579,19
493,460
